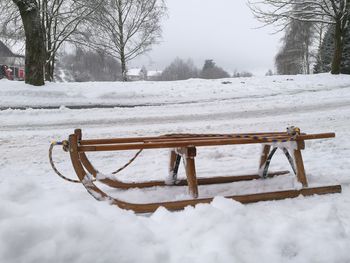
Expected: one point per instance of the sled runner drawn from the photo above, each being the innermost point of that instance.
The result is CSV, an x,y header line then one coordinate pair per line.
x,y
184,146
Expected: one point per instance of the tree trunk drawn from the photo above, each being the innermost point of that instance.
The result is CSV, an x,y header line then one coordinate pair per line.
x,y
123,66
307,58
338,49
121,40
49,60
35,48
49,70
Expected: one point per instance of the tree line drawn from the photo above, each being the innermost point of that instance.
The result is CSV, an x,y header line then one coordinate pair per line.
x,y
114,32
97,66
106,36
180,70
316,34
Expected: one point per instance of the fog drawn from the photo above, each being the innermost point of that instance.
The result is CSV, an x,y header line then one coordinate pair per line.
x,y
222,30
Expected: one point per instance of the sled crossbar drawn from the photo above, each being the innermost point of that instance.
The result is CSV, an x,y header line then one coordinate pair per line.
x,y
184,146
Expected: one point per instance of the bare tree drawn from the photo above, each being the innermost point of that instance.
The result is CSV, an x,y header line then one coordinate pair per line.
x,y
86,65
35,48
125,28
295,55
281,12
60,20
320,34
11,27
179,70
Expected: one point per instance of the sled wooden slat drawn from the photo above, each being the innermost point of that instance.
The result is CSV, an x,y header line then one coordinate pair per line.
x,y
188,143
184,145
171,136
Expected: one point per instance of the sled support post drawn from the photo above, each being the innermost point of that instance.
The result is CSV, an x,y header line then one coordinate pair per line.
x,y
172,163
264,154
77,132
300,164
73,150
189,153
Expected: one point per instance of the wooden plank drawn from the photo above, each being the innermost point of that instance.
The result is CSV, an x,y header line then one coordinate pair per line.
x,y
183,182
189,143
177,136
244,199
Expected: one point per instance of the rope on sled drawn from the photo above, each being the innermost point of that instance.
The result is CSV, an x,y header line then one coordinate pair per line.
x,y
65,146
128,163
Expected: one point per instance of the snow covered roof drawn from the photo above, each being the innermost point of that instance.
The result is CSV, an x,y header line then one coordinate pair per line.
x,y
134,72
13,48
5,51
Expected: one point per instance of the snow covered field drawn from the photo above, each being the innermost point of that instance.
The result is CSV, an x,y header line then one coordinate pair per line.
x,y
45,219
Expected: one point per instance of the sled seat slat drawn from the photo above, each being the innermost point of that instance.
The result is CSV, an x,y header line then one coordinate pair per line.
x,y
156,144
174,137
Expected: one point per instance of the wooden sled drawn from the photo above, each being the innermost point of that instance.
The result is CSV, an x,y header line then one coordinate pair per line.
x,y
185,146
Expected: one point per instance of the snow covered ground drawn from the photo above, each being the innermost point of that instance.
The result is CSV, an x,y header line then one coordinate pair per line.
x,y
45,219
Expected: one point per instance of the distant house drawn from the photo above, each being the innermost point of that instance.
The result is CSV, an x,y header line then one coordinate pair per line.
x,y
136,74
7,57
14,61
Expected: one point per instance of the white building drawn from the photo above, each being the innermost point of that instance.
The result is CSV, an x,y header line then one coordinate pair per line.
x,y
136,74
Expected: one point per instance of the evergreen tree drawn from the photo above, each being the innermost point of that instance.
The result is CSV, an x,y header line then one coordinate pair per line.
x,y
330,12
326,50
211,71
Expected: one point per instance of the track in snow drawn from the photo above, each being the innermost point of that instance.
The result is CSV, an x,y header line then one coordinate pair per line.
x,y
111,119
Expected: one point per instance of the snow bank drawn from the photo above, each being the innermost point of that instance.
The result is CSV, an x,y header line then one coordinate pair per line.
x,y
45,219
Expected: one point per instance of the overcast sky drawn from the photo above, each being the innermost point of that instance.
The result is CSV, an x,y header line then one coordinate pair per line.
x,y
222,30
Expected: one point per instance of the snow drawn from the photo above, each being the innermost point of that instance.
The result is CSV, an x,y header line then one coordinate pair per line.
x,y
134,72
154,73
46,219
